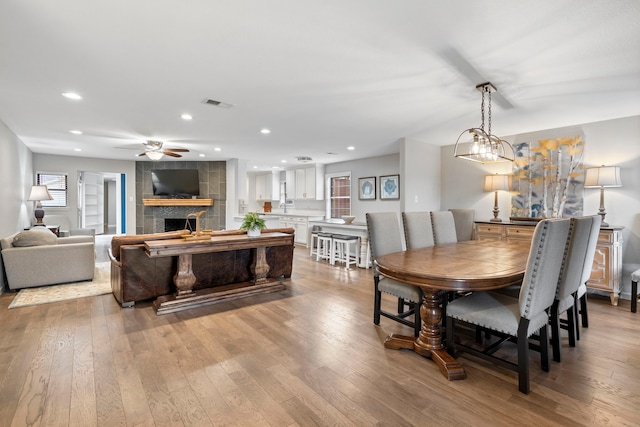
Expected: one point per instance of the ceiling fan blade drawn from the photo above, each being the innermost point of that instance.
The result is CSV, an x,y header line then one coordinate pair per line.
x,y
457,61
177,150
169,153
142,154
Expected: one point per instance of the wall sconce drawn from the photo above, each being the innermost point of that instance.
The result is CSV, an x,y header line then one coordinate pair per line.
x,y
39,193
603,176
495,183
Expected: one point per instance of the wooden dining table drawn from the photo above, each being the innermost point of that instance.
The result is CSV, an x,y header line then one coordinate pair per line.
x,y
469,266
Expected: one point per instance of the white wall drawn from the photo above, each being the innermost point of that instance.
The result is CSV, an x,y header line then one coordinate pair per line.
x,y
611,142
72,165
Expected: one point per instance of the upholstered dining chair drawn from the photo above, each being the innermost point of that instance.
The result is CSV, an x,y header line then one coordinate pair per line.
x,y
417,229
522,317
576,269
444,227
385,237
463,219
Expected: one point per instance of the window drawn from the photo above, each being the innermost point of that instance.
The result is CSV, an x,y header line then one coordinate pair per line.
x,y
57,185
339,200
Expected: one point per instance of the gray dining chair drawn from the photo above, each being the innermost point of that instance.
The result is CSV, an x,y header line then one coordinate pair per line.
x,y
463,219
522,317
444,227
576,269
417,229
384,238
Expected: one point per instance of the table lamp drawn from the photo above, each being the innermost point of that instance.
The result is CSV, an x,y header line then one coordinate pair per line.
x,y
39,193
494,183
603,176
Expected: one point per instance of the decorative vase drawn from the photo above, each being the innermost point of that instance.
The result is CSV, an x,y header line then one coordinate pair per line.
x,y
253,232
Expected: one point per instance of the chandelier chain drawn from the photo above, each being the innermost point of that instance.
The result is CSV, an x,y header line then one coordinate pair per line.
x,y
489,110
482,111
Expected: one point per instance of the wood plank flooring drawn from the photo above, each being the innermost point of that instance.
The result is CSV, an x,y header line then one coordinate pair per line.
x,y
306,356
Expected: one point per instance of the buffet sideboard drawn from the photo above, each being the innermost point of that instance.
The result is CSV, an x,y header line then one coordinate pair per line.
x,y
607,262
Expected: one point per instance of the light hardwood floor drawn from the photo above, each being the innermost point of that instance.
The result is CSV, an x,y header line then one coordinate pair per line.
x,y
306,356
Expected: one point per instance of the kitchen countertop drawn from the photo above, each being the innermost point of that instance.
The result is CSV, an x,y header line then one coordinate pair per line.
x,y
338,223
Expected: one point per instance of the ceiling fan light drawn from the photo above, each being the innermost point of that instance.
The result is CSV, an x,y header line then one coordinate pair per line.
x,y
154,155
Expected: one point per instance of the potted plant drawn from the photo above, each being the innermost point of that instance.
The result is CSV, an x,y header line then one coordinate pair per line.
x,y
253,224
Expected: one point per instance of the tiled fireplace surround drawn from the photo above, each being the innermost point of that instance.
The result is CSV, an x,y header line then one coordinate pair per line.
x,y
213,175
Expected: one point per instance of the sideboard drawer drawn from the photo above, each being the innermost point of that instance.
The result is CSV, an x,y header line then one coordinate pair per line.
x,y
489,232
516,233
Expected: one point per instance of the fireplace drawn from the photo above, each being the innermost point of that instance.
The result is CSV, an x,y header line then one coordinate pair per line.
x,y
173,224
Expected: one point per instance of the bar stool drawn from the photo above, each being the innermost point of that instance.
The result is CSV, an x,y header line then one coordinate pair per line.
x,y
314,240
323,250
341,249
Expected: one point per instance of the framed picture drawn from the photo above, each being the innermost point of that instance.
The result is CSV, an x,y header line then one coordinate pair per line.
x,y
367,188
390,187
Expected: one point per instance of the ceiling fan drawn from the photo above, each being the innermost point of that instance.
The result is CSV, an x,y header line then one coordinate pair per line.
x,y
154,150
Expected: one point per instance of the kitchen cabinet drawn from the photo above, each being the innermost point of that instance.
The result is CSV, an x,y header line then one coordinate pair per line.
x,y
607,262
308,183
264,186
300,224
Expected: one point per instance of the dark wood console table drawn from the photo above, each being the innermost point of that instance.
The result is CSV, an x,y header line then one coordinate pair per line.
x,y
184,279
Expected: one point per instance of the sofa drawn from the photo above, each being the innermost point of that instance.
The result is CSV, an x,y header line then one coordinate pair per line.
x,y
37,257
137,277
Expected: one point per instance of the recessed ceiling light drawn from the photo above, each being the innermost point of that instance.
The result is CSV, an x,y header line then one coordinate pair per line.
x,y
275,167
76,132
186,116
351,147
283,161
71,95
255,167
201,155
77,149
217,149
265,131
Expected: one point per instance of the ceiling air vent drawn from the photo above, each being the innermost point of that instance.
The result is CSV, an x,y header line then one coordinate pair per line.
x,y
304,159
216,103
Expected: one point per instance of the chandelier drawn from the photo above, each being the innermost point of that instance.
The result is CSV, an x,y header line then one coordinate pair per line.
x,y
482,146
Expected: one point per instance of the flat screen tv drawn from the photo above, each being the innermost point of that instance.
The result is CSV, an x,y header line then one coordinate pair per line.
x,y
178,183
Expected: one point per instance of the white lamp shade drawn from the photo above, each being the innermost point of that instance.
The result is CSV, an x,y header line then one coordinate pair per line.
x,y
497,182
154,155
39,192
603,176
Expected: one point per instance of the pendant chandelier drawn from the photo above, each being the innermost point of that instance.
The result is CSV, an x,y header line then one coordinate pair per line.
x,y
482,146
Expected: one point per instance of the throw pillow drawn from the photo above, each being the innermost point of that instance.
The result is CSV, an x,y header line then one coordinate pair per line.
x,y
37,236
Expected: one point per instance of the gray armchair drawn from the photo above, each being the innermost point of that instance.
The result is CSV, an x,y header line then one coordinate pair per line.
x,y
384,238
522,317
65,229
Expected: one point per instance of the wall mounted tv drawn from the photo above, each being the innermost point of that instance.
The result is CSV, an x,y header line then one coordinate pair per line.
x,y
178,183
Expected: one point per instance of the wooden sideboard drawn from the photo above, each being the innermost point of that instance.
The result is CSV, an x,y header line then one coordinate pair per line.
x,y
607,262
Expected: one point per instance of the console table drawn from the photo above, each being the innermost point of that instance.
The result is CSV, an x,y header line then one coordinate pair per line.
x,y
607,262
184,279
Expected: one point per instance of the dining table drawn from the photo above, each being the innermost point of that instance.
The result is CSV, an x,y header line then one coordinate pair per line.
x,y
468,266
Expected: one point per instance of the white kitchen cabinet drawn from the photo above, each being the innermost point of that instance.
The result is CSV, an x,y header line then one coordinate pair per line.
x,y
309,183
300,224
264,186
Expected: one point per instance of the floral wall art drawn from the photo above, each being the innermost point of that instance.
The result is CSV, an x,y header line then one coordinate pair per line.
x,y
548,178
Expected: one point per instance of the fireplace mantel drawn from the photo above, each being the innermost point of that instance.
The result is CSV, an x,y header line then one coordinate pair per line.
x,y
177,202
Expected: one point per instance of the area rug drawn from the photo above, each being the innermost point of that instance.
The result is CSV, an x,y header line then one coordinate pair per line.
x,y
100,285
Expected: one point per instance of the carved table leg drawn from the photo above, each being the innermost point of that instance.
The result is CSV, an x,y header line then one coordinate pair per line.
x,y
184,278
429,342
259,266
